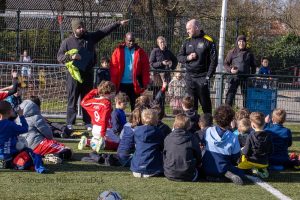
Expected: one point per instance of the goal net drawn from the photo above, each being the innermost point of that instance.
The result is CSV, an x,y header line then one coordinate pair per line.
x,y
48,81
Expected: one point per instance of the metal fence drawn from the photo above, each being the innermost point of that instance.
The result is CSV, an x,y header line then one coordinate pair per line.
x,y
263,93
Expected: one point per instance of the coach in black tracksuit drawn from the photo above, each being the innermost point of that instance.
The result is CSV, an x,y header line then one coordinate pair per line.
x,y
85,43
198,55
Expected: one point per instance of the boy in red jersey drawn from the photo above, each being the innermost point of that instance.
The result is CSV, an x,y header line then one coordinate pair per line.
x,y
98,105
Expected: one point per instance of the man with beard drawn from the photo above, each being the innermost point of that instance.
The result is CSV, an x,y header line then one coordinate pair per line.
x,y
239,61
79,48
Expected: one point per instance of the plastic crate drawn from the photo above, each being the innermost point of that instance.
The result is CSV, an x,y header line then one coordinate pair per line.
x,y
260,93
265,83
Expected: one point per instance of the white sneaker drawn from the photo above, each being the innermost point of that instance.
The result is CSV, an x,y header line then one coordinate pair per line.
x,y
89,127
82,143
51,158
70,126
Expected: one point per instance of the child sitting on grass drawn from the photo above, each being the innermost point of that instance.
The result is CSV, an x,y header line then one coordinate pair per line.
x,y
205,121
118,117
40,136
239,115
98,104
258,147
13,153
182,154
188,109
147,159
282,140
222,148
244,128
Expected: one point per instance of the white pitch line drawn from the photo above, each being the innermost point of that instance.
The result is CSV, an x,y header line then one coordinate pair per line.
x,y
268,187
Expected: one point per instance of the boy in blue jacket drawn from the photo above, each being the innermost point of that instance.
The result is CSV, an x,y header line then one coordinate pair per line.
x,y
13,153
282,140
264,69
118,117
222,148
147,159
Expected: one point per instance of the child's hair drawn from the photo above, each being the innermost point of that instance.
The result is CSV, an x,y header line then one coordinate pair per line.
x,y
149,117
188,102
5,107
106,87
136,117
258,119
206,120
244,125
181,121
223,115
142,101
104,59
264,58
159,110
121,97
36,100
242,113
178,75
279,115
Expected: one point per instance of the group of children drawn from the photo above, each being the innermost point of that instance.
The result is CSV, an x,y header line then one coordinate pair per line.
x,y
193,148
25,137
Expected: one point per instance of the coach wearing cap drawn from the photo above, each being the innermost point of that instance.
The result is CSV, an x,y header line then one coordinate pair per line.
x,y
83,42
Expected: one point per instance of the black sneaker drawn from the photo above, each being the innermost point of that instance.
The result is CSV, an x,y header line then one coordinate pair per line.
x,y
234,178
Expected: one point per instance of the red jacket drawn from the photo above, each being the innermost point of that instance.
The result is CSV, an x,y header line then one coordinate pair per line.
x,y
140,72
99,111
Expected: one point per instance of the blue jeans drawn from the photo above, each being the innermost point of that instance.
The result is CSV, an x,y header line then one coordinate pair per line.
x,y
125,159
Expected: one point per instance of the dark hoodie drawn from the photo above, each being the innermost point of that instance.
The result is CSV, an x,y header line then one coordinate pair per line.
x,y
182,155
241,58
258,147
157,56
147,158
194,118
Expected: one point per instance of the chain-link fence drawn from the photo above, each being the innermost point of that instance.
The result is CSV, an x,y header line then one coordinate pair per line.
x,y
259,93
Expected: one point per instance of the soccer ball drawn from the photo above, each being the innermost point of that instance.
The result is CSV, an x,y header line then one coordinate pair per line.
x,y
109,195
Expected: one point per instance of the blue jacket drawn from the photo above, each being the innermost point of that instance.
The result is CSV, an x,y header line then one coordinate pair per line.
x,y
221,153
9,131
118,119
282,140
126,145
147,158
264,70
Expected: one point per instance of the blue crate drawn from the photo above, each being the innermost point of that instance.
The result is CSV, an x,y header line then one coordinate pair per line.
x,y
261,93
261,100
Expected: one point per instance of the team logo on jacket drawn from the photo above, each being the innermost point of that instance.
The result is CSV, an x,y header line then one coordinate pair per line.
x,y
200,45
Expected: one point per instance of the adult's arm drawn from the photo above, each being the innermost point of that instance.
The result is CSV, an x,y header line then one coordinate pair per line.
x,y
252,64
114,67
174,60
213,56
153,61
182,57
145,68
100,34
61,57
228,61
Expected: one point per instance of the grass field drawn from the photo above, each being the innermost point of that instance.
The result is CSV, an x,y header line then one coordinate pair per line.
x,y
79,180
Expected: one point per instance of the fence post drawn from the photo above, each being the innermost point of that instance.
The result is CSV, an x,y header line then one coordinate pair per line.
x,y
18,35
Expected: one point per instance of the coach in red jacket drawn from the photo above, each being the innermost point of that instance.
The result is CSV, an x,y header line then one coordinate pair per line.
x,y
129,68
